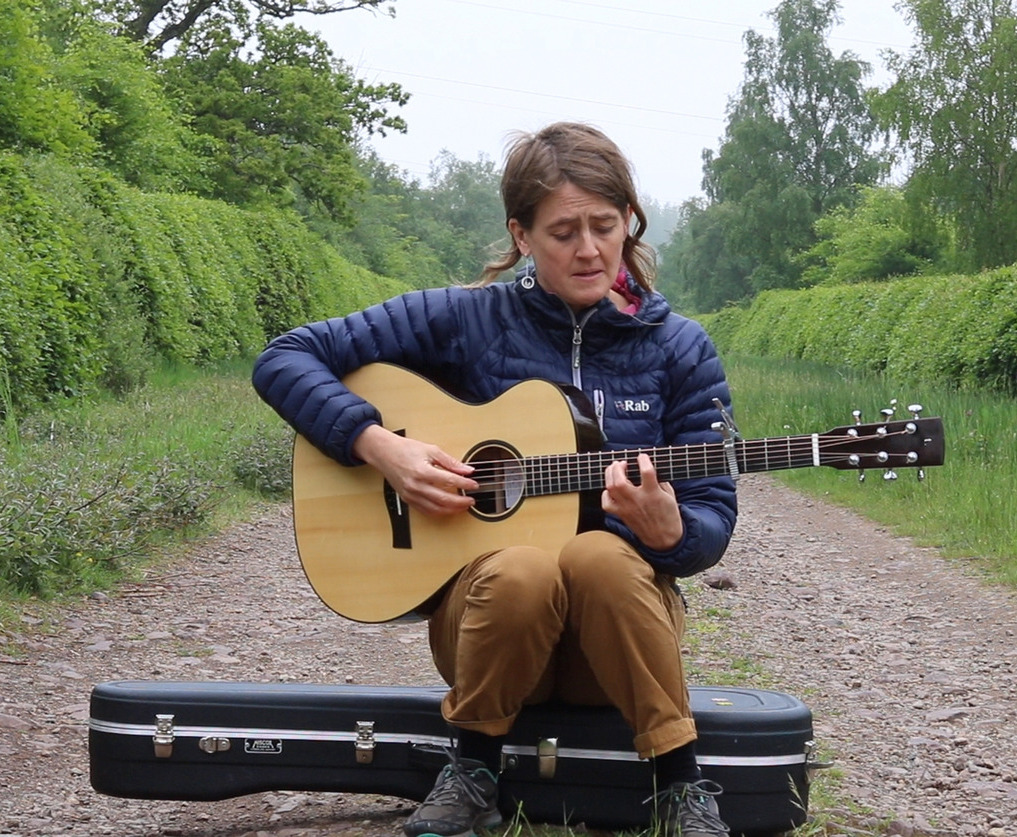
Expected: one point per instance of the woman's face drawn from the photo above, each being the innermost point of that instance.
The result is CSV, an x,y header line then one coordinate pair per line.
x,y
576,244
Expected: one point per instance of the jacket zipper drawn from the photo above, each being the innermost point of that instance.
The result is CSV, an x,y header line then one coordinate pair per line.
x,y
577,343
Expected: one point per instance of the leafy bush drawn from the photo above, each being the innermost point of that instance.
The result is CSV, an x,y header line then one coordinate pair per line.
x,y
879,238
99,281
50,288
262,462
955,330
70,518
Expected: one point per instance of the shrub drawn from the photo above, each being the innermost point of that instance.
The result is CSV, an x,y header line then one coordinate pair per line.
x,y
955,330
70,518
262,462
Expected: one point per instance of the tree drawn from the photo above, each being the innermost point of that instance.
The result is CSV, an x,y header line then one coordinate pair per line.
x,y
429,235
953,108
139,131
386,237
464,200
661,220
700,270
796,145
157,23
882,237
36,112
282,117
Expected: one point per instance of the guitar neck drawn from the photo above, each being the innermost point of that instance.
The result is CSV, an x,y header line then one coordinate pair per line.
x,y
565,473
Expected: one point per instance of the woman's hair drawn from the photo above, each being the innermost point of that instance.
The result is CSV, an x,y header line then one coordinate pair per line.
x,y
570,152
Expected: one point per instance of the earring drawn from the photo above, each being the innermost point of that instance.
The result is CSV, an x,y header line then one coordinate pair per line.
x,y
529,274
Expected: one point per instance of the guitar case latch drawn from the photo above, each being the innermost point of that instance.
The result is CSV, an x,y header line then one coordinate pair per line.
x,y
365,742
547,757
162,741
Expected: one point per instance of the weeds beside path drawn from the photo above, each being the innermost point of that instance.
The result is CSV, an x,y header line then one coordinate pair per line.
x,y
908,663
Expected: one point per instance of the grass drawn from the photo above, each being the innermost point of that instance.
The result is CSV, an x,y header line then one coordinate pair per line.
x,y
963,508
90,490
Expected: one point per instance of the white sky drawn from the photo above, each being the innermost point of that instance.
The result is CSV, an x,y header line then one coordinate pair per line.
x,y
655,75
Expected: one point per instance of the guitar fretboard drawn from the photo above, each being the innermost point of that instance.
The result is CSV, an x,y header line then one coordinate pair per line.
x,y
564,473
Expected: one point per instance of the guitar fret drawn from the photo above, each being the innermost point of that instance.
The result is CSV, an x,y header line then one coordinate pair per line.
x,y
566,473
780,453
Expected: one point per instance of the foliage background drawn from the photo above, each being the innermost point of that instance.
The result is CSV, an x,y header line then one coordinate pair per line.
x,y
956,331
102,280
176,189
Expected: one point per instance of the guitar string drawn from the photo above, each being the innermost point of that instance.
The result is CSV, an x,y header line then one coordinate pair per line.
x,y
558,470
711,453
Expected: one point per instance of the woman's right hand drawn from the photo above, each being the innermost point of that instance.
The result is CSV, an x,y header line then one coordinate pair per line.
x,y
423,475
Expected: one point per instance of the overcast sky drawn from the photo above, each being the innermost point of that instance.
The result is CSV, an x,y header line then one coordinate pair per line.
x,y
655,75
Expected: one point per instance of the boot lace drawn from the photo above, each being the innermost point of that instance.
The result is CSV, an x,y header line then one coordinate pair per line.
x,y
685,807
455,784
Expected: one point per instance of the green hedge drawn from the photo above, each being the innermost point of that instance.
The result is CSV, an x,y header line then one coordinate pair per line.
x,y
956,330
51,281
99,280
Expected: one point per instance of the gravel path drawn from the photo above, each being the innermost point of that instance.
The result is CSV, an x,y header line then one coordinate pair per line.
x,y
908,663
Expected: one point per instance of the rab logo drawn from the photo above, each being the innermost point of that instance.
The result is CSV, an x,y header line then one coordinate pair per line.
x,y
629,405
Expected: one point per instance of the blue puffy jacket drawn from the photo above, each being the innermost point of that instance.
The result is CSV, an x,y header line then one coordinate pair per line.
x,y
652,377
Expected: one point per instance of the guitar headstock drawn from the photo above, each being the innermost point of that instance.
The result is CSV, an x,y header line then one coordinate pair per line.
x,y
888,444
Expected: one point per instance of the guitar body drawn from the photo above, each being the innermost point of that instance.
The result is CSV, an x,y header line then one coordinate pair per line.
x,y
372,559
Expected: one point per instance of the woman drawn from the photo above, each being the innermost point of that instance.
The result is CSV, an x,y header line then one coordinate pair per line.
x,y
599,622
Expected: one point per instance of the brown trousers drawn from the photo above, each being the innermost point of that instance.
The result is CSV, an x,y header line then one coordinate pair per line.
x,y
593,625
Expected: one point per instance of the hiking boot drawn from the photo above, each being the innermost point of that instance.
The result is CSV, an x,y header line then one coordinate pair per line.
x,y
465,797
690,810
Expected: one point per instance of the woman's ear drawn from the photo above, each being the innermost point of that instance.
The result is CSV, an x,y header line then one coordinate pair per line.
x,y
518,236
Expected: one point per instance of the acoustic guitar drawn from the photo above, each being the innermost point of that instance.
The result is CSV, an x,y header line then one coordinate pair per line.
x,y
536,450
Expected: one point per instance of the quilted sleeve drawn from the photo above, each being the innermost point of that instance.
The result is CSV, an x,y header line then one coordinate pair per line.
x,y
299,373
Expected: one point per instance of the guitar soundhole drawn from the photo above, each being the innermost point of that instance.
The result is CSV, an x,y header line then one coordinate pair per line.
x,y
502,480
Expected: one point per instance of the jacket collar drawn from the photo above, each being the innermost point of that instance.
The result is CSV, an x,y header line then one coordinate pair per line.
x,y
550,309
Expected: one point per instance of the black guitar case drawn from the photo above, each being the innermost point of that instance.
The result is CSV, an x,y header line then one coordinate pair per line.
x,y
562,764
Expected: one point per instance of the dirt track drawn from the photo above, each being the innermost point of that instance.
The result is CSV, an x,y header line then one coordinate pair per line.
x,y
908,663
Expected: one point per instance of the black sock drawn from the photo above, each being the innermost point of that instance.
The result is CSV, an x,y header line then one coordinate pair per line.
x,y
481,747
676,766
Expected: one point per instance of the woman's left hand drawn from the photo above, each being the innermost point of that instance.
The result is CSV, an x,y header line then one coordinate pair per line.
x,y
649,509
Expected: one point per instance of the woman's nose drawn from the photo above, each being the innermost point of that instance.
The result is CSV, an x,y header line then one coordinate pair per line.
x,y
587,246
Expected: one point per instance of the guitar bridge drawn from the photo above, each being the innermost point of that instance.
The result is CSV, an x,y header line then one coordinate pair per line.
x,y
398,518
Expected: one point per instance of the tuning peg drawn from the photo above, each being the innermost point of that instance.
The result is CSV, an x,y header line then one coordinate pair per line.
x,y
852,432
858,420
916,412
887,414
889,474
912,459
